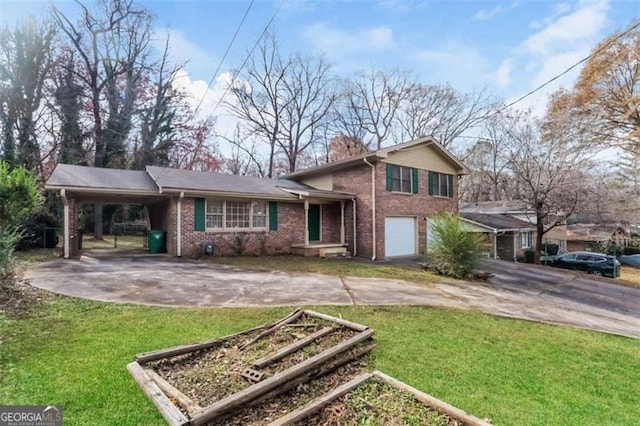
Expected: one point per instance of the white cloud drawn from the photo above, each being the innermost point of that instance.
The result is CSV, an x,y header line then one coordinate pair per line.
x,y
337,42
484,14
570,30
182,51
503,74
561,40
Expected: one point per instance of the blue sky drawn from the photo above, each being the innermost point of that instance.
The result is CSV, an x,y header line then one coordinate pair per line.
x,y
507,47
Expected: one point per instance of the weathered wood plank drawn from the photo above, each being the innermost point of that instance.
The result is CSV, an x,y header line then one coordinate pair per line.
x,y
170,412
351,325
317,404
231,402
313,375
169,390
432,401
297,345
185,349
290,318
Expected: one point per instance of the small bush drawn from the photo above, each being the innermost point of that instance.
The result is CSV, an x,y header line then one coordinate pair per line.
x,y
631,250
529,256
455,250
550,249
39,232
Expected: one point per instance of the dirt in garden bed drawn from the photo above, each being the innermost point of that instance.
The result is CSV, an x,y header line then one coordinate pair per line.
x,y
377,403
278,406
212,374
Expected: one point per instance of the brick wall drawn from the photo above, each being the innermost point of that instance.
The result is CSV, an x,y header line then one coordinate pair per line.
x,y
74,251
290,231
357,180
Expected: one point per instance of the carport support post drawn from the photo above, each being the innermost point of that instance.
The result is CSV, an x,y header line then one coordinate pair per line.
x,y
515,246
342,237
495,244
306,222
67,237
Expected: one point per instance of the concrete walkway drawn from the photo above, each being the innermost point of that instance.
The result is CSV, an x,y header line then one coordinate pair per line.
x,y
168,281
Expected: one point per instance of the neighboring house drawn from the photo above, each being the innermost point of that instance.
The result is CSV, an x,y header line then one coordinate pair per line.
x,y
525,229
372,205
506,237
588,237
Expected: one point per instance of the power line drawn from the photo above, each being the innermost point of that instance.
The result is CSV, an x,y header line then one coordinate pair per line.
x,y
586,58
246,59
226,52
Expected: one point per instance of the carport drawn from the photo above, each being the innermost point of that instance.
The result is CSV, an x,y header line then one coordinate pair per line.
x,y
78,185
503,231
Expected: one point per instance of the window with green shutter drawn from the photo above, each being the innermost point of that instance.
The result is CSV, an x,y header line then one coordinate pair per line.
x,y
440,184
402,179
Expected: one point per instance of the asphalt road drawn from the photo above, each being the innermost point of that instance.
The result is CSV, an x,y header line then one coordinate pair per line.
x,y
602,293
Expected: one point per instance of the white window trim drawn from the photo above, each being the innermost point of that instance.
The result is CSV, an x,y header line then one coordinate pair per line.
x,y
224,228
529,240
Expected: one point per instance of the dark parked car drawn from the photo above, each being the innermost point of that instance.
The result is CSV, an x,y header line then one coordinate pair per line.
x,y
630,260
591,263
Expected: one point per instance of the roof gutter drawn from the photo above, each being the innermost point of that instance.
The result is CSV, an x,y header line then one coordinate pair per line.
x,y
373,208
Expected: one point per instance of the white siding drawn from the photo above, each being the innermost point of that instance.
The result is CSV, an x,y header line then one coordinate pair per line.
x,y
323,182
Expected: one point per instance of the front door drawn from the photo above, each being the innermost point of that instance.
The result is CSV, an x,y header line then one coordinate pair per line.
x,y
314,222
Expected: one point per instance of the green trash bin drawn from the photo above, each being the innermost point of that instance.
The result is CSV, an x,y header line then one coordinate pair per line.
x,y
156,241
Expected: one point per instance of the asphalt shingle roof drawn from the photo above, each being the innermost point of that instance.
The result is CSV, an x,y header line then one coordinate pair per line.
x,y
67,175
217,182
497,221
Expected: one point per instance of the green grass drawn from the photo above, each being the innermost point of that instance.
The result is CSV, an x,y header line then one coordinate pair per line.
x,y
74,353
348,267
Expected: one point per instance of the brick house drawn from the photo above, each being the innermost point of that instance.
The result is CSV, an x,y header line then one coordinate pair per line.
x,y
373,205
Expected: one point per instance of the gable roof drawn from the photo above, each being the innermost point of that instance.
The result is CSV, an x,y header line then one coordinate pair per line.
x,y
497,222
379,155
72,176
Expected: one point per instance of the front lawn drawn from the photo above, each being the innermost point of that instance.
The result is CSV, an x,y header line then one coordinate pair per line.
x,y
340,267
73,352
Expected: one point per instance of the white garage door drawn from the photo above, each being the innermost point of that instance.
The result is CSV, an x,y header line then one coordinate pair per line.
x,y
399,236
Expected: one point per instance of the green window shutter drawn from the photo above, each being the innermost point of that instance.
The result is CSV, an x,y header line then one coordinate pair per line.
x,y
198,215
389,177
450,185
273,216
414,181
433,183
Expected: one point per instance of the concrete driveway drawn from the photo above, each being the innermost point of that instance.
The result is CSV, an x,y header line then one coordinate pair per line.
x,y
168,281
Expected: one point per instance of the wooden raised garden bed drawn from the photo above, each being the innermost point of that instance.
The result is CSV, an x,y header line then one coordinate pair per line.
x,y
377,399
202,383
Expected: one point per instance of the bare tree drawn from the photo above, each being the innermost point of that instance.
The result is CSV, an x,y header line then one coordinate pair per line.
x,y
112,44
26,64
370,104
548,165
489,162
443,112
283,101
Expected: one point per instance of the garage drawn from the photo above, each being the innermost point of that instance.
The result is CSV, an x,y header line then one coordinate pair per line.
x,y
399,236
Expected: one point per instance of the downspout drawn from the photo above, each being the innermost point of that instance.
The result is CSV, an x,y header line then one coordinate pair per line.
x,y
179,226
355,246
373,207
65,202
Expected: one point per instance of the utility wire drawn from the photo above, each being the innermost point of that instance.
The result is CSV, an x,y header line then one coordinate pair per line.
x,y
586,58
226,52
246,59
